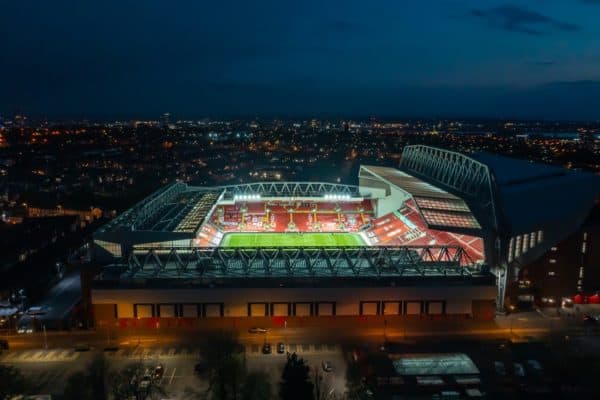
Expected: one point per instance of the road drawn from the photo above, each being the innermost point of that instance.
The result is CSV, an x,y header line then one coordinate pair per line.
x,y
340,331
177,349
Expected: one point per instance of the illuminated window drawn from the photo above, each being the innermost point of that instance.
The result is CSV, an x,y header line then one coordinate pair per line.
x,y
540,236
511,249
525,243
553,248
552,261
551,273
531,239
518,246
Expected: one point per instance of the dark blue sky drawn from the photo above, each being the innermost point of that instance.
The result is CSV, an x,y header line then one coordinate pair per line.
x,y
521,59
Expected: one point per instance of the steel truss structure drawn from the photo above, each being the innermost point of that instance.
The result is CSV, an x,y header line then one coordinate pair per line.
x,y
218,262
449,168
140,212
290,189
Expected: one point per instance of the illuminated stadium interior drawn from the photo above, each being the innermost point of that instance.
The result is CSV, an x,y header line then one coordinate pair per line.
x,y
300,223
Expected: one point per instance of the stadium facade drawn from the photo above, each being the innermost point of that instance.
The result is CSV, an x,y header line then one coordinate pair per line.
x,y
442,234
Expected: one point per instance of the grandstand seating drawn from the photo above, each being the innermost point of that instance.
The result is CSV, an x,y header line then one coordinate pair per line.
x,y
306,217
197,213
208,235
405,227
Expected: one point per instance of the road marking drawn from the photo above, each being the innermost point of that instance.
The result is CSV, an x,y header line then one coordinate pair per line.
x,y
172,375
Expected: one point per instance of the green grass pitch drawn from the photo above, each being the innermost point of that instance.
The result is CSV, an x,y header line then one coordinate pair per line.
x,y
291,240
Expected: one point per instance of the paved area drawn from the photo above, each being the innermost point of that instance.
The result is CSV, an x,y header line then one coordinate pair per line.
x,y
50,369
37,356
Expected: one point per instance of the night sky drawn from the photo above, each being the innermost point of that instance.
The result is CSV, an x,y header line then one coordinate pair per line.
x,y
527,59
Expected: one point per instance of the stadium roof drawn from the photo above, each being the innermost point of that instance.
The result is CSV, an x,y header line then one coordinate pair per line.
x,y
438,207
533,195
377,262
434,364
523,196
510,171
415,186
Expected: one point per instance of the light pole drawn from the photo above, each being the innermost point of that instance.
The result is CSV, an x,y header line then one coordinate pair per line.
x,y
45,337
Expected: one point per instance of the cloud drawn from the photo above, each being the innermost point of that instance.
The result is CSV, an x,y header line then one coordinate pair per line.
x,y
517,19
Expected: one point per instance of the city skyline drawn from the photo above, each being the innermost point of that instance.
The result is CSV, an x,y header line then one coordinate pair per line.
x,y
467,59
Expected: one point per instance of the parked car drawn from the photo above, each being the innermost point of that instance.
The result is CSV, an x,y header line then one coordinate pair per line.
x,y
145,381
159,370
535,366
266,349
589,319
36,311
499,367
327,366
519,370
82,347
280,348
199,369
258,330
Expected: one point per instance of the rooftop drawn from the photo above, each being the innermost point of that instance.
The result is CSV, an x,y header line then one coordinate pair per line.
x,y
273,263
433,364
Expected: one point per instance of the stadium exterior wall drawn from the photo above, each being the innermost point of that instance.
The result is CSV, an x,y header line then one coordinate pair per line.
x,y
476,300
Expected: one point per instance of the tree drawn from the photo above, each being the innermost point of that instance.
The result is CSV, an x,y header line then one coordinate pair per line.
x,y
135,382
318,383
354,382
257,387
77,387
89,384
12,382
295,383
98,376
223,359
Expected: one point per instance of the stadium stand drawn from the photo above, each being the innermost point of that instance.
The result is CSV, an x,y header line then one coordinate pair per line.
x,y
293,216
406,227
199,210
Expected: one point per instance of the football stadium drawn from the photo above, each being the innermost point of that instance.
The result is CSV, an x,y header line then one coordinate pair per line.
x,y
443,234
